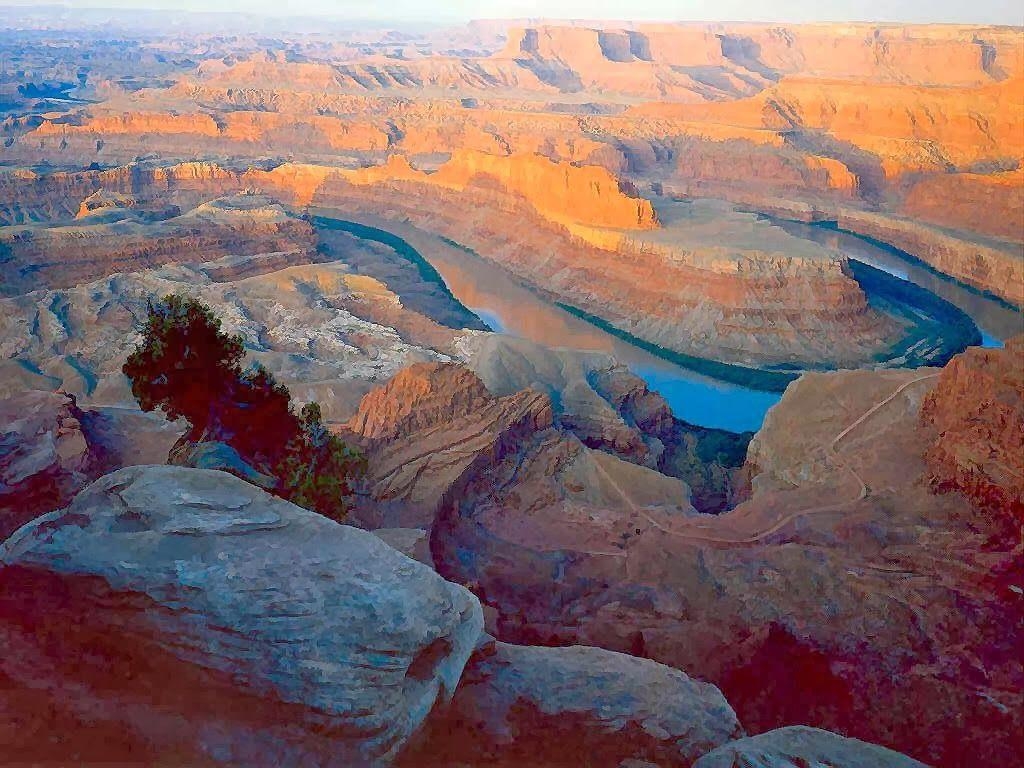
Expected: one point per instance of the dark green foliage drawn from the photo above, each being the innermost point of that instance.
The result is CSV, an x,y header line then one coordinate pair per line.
x,y
316,466
189,368
186,363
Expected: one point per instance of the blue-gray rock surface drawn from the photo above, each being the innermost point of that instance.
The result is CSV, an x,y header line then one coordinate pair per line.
x,y
803,747
527,705
338,645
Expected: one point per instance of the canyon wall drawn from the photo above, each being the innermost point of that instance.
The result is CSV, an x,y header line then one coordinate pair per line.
x,y
978,409
115,238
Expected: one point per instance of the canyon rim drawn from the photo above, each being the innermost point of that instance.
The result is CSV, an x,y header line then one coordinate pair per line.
x,y
379,389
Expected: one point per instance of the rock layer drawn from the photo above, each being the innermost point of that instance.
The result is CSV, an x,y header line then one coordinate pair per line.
x,y
841,540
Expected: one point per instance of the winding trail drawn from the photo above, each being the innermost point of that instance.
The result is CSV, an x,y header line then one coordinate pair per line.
x,y
786,519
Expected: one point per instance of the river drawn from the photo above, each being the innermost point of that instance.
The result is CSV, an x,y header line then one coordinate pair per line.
x,y
507,306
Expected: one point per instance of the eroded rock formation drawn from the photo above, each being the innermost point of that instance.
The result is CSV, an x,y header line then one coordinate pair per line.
x,y
840,541
977,407
113,235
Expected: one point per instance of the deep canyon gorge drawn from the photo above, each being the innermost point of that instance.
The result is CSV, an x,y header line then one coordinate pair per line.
x,y
682,364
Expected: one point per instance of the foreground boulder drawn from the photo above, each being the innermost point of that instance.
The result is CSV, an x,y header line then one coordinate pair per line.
x,y
798,747
523,705
219,624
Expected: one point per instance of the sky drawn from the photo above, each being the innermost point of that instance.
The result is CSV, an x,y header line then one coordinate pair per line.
x,y
967,11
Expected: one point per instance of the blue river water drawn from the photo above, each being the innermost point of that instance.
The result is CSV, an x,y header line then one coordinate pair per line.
x,y
507,306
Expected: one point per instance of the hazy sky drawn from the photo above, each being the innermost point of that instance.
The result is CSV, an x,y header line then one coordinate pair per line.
x,y
974,11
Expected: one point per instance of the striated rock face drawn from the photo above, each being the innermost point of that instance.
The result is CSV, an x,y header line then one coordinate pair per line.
x,y
419,396
427,431
560,191
611,409
990,266
987,204
26,196
350,644
519,705
978,409
799,746
114,238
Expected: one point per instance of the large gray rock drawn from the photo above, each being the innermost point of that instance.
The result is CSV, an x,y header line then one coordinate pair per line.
x,y
526,705
355,642
801,747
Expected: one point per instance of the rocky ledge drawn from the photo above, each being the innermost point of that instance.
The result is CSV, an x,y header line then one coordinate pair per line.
x,y
185,616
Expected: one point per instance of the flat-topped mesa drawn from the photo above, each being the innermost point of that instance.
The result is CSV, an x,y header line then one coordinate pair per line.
x,y
961,55
560,191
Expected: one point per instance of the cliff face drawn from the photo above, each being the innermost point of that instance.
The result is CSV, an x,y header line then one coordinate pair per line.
x,y
978,409
558,190
695,62
987,204
27,196
988,265
693,289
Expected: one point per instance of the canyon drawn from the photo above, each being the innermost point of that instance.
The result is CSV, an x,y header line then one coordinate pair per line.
x,y
686,362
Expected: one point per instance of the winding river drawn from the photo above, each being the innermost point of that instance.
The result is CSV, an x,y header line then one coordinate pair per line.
x,y
507,306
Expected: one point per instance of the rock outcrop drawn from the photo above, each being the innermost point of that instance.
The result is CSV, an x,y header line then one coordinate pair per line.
x,y
611,409
799,746
840,540
50,447
44,457
977,406
551,707
426,432
312,642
